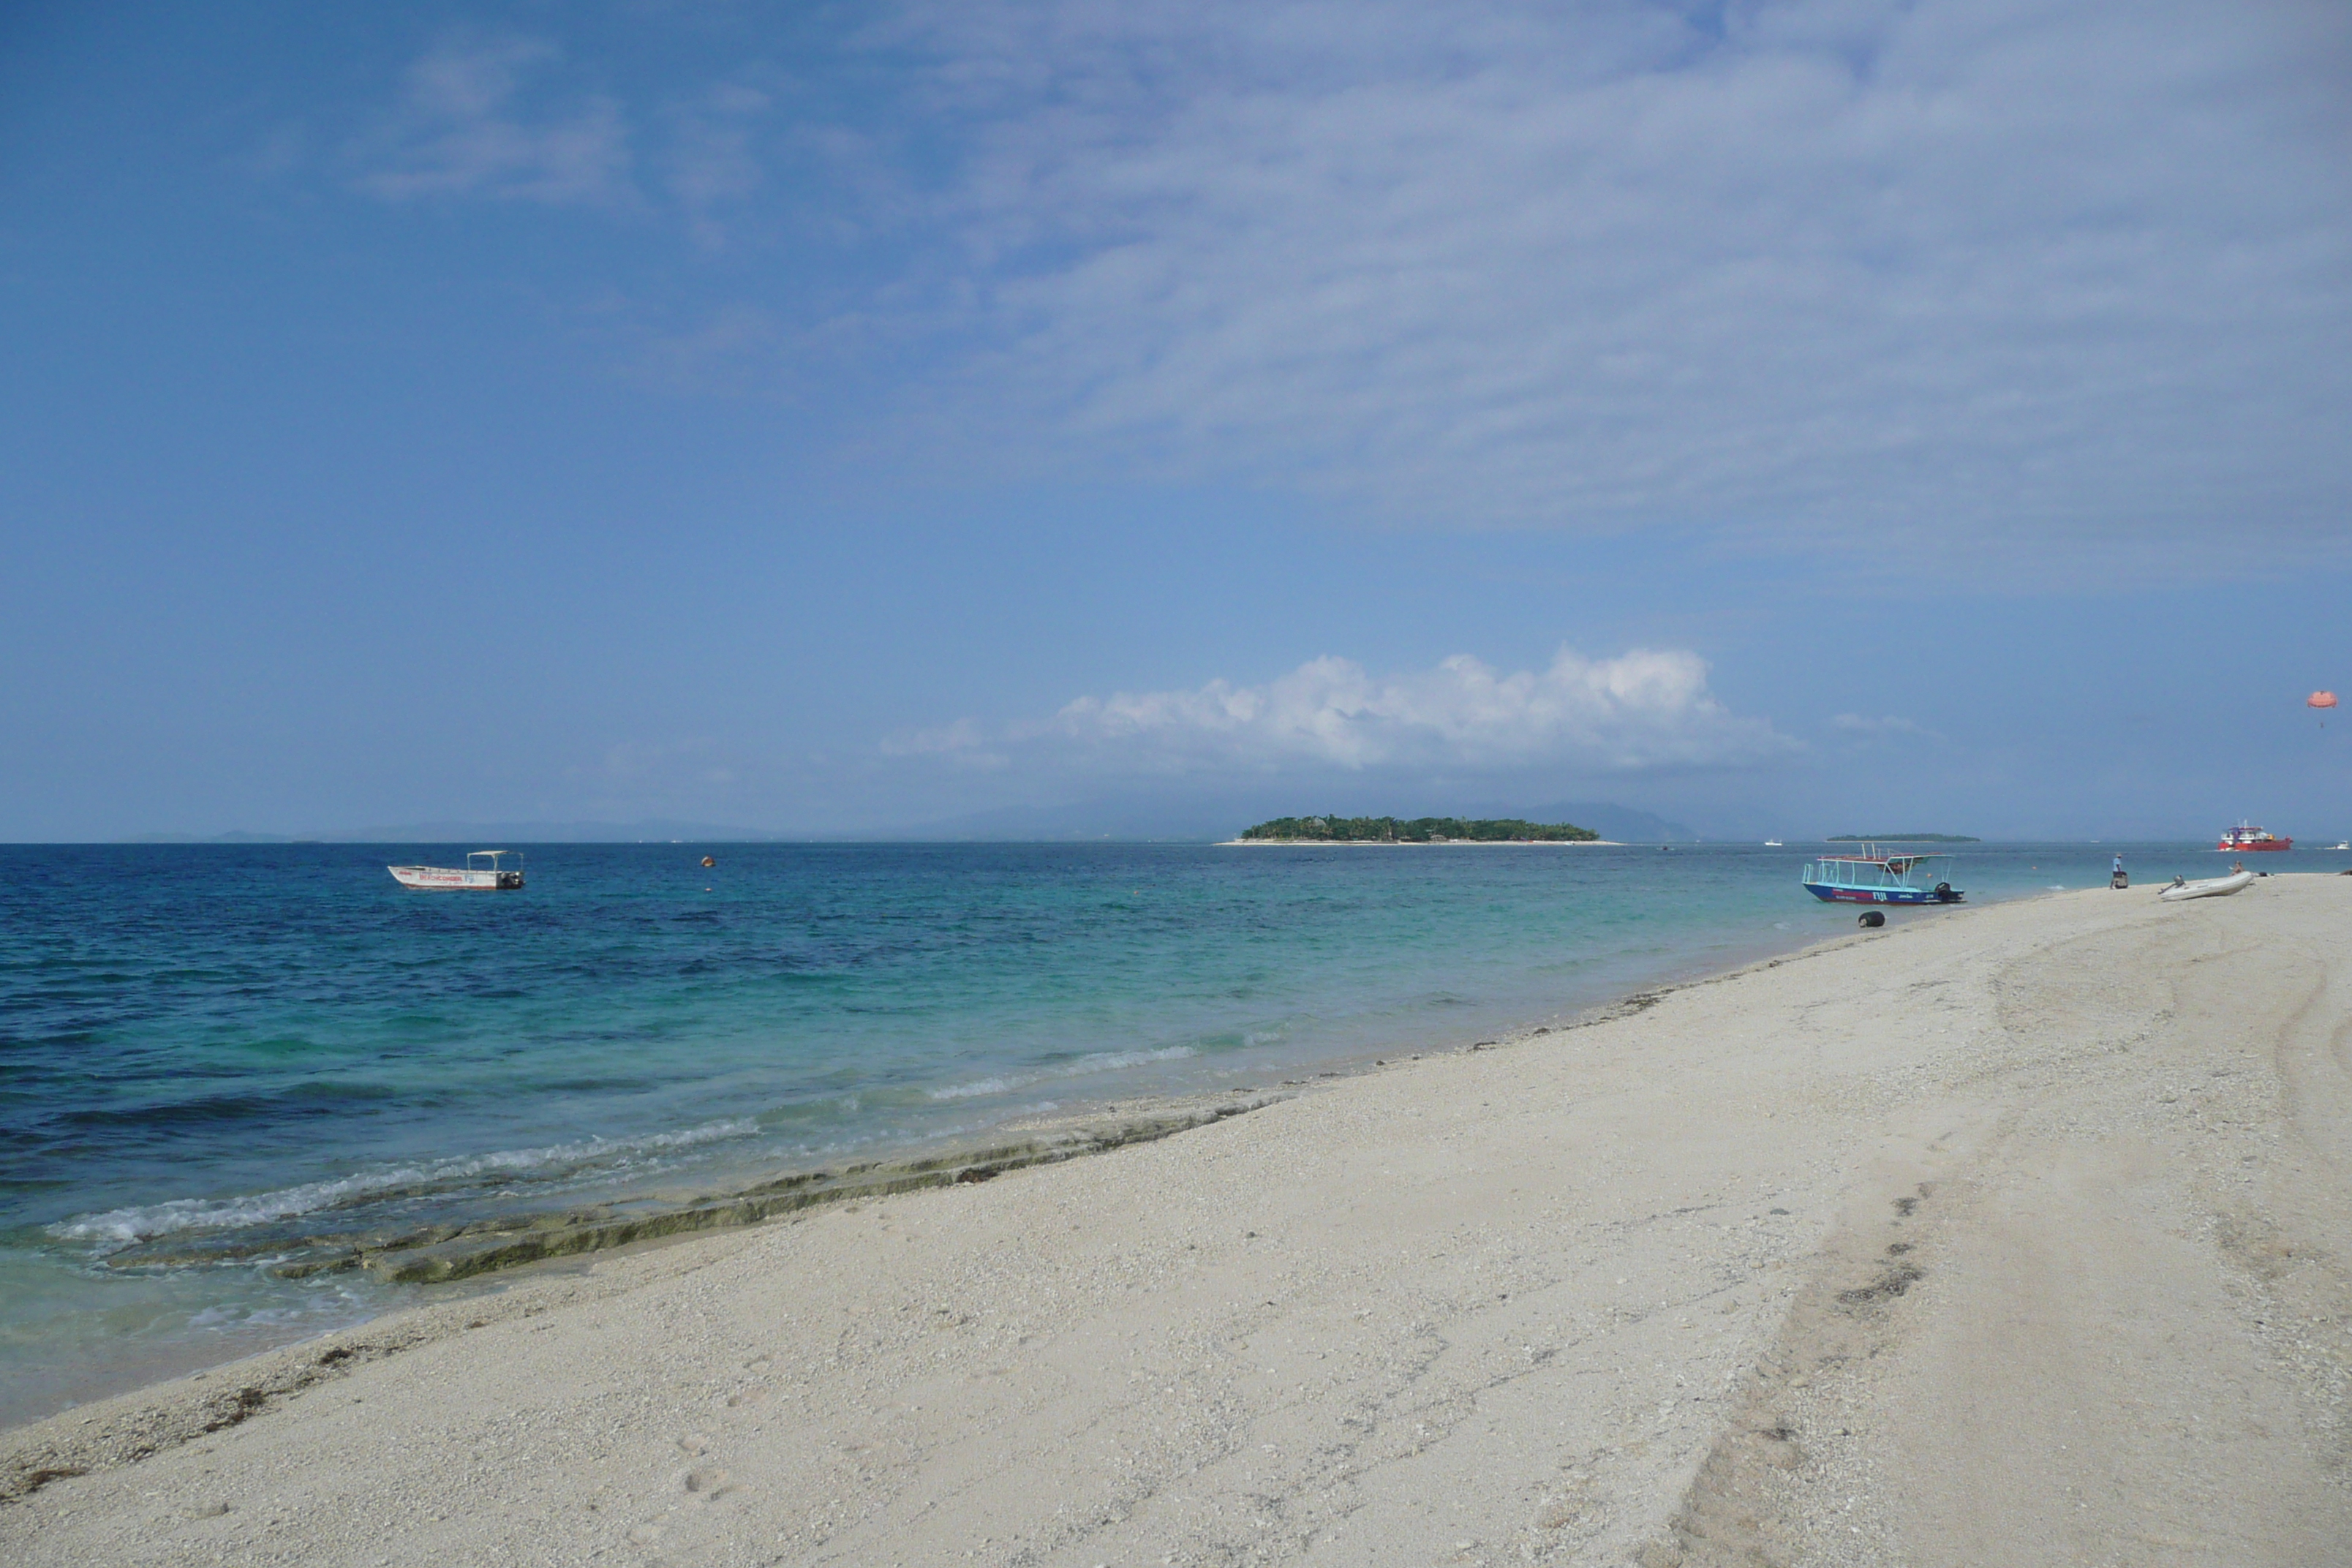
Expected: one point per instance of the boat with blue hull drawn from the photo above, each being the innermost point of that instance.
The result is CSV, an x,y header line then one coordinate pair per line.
x,y
1873,878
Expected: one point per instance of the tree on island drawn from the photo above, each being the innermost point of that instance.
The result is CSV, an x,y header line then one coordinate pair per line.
x,y
1418,830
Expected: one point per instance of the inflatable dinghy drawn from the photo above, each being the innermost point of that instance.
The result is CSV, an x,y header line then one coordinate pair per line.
x,y
2211,887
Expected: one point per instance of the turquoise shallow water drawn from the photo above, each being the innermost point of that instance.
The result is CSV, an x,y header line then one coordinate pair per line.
x,y
224,1047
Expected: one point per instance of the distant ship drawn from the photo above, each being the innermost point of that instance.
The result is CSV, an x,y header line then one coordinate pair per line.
x,y
1772,844
484,871
2246,836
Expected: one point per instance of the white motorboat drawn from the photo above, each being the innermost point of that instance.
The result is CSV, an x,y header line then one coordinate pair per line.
x,y
484,871
2211,887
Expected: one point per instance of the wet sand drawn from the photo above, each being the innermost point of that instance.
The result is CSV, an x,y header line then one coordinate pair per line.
x,y
2004,1236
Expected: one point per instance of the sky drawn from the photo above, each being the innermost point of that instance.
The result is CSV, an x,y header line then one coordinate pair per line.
x,y
1790,418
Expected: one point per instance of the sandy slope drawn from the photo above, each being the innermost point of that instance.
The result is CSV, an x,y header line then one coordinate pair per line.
x,y
2009,1236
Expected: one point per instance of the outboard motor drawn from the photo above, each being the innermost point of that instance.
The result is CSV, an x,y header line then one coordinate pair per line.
x,y
1944,894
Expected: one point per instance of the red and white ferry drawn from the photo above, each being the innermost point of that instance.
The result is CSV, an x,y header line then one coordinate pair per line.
x,y
2247,837
485,871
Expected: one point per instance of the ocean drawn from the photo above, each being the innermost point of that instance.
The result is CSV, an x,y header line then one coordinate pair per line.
x,y
209,1052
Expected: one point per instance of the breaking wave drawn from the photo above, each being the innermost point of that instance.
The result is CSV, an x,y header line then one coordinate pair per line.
x,y
125,1226
1097,1062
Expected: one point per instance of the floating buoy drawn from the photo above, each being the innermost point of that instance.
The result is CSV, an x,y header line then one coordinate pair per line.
x,y
1871,920
710,859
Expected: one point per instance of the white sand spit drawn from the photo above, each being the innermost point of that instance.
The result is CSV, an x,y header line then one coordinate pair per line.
x,y
2008,1235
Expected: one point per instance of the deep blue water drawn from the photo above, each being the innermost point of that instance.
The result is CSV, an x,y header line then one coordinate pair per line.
x,y
222,1047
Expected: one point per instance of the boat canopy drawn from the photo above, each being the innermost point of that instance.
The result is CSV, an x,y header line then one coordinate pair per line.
x,y
1917,872
495,860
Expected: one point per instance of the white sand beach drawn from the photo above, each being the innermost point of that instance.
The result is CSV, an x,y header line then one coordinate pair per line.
x,y
2005,1235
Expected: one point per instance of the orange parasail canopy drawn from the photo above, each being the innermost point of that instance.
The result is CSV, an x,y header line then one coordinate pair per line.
x,y
2320,699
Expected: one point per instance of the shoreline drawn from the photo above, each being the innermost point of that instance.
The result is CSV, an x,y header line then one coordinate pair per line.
x,y
531,1251
1682,1274
491,1256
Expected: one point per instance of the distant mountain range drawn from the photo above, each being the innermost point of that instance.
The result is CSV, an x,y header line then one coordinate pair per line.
x,y
1900,839
650,831
1419,830
1164,821
1621,823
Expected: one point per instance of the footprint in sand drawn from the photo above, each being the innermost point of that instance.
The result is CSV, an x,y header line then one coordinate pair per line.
x,y
744,1397
695,1442
707,1483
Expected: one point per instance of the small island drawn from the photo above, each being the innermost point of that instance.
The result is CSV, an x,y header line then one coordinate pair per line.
x,y
1418,830
1900,839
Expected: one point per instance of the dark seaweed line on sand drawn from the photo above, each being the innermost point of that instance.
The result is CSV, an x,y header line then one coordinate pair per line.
x,y
433,1254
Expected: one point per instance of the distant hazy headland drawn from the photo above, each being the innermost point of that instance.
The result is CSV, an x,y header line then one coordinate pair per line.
x,y
1155,820
1900,839
1418,830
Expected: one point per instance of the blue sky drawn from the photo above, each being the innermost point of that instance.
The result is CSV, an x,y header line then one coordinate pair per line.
x,y
1786,417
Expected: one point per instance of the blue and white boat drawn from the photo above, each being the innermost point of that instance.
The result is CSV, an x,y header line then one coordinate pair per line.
x,y
1873,878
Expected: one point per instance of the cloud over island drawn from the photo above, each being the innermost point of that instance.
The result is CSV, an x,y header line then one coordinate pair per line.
x,y
1644,709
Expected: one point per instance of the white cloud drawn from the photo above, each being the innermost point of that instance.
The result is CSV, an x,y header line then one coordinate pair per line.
x,y
464,129
713,164
1645,710
1950,282
1914,273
